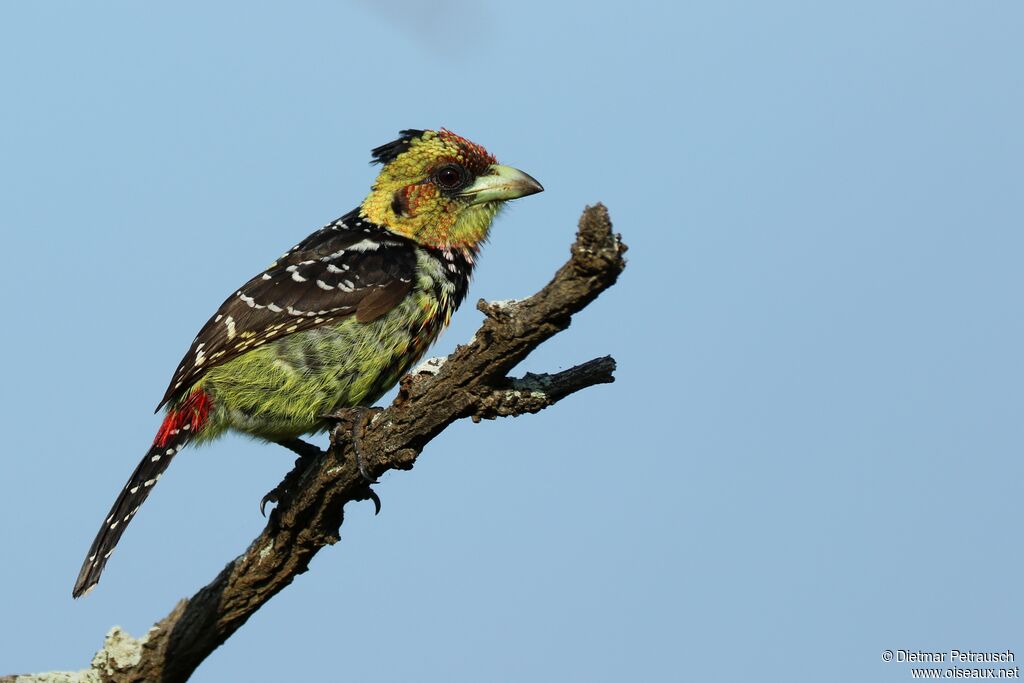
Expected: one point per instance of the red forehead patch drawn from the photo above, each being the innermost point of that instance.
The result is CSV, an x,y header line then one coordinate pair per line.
x,y
474,156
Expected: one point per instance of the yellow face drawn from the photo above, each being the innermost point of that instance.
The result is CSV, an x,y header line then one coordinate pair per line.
x,y
441,190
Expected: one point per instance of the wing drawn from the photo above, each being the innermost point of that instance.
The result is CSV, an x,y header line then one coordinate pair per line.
x,y
349,267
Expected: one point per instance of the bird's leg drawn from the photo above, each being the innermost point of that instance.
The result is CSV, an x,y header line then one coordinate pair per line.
x,y
303,449
283,492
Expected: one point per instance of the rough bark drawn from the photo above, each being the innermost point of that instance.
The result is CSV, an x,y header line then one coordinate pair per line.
x,y
473,382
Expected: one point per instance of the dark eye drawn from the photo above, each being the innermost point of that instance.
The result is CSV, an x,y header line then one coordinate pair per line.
x,y
450,177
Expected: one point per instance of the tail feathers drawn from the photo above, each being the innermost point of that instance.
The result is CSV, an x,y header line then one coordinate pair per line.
x,y
127,504
179,427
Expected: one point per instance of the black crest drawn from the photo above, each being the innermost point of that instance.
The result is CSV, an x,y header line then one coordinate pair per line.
x,y
387,153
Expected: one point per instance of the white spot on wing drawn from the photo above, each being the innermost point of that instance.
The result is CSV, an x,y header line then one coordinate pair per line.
x,y
365,245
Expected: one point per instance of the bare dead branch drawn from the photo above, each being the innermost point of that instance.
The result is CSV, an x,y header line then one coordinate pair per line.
x,y
472,382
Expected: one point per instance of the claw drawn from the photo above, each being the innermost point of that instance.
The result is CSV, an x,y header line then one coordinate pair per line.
x,y
376,501
276,495
271,497
282,493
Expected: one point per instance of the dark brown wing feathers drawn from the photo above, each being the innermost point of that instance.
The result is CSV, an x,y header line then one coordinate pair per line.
x,y
348,267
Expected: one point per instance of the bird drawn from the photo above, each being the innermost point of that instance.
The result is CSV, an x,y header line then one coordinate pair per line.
x,y
337,320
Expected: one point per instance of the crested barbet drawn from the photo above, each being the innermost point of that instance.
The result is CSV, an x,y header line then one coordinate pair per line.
x,y
337,320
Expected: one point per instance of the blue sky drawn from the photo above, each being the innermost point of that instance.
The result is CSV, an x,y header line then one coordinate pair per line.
x,y
812,451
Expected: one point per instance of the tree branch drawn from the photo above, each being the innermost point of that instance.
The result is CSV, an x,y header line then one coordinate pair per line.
x,y
472,382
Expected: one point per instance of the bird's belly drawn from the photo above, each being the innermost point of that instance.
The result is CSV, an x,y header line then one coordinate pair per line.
x,y
283,390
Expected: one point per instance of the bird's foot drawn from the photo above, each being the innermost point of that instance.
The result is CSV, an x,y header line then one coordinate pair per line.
x,y
358,418
283,492
357,433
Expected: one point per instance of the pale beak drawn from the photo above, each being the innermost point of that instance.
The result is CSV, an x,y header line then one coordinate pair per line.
x,y
499,184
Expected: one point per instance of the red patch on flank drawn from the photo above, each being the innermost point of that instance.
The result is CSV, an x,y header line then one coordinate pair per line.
x,y
193,411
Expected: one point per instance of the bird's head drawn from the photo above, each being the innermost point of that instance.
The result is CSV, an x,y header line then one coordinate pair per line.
x,y
440,189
